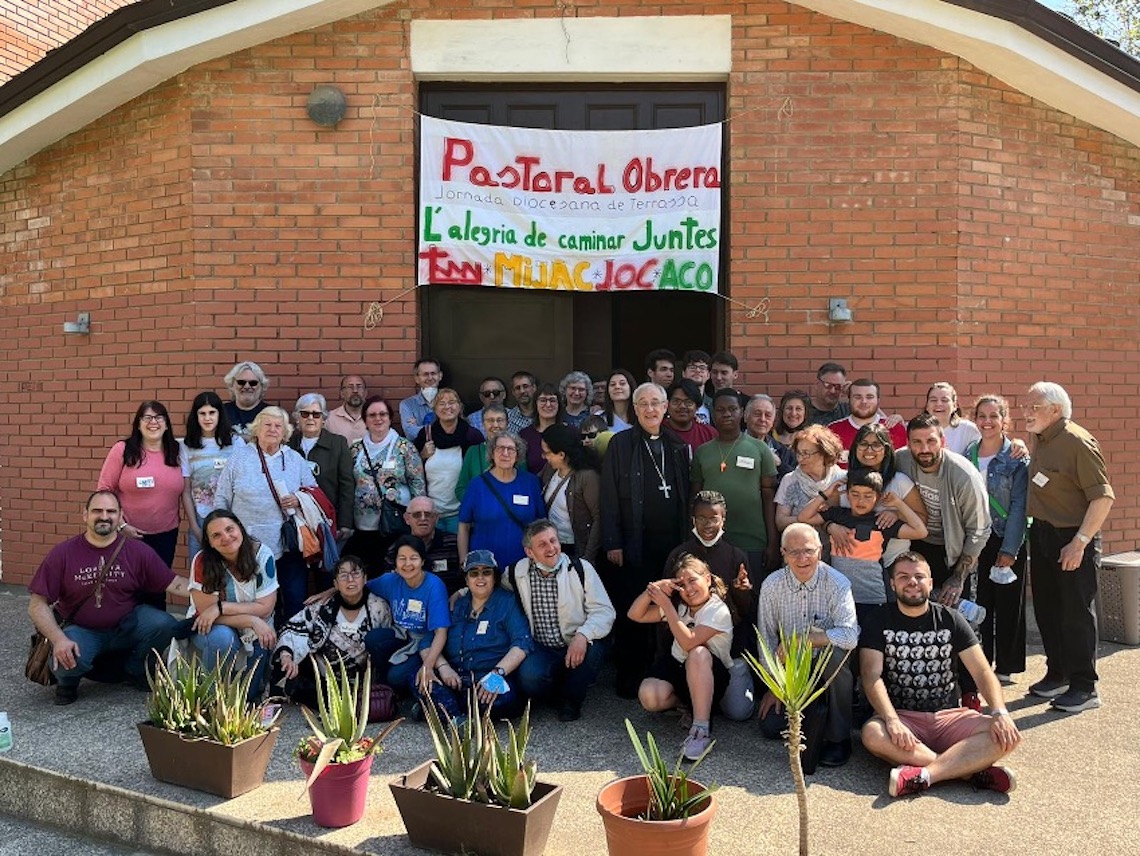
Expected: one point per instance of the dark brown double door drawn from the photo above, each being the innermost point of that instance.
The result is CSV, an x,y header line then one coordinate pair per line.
x,y
495,331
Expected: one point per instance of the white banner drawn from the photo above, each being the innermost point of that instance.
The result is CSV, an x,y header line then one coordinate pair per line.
x,y
571,210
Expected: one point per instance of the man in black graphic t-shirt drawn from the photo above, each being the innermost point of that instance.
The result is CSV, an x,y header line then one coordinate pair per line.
x,y
908,666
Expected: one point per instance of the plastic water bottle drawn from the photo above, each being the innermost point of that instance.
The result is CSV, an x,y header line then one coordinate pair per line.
x,y
5,732
972,612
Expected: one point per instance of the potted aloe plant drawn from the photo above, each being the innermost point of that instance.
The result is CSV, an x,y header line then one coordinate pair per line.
x,y
660,811
202,732
337,757
479,794
795,682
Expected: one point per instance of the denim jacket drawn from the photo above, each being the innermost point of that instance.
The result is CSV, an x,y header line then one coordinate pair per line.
x,y
1007,481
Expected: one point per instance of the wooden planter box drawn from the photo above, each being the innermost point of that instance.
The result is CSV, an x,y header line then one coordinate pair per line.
x,y
447,825
205,765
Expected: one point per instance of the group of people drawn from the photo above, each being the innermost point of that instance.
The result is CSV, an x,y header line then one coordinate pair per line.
x,y
659,523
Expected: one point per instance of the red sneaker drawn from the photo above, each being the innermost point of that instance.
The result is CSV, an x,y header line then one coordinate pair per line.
x,y
907,780
972,701
995,778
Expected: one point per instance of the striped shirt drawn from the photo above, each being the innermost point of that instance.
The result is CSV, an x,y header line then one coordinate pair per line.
x,y
824,602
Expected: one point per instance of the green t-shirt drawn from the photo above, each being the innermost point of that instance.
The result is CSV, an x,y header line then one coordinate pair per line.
x,y
745,464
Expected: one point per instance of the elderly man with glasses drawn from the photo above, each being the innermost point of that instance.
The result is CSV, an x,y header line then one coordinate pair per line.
x,y
492,390
442,547
247,384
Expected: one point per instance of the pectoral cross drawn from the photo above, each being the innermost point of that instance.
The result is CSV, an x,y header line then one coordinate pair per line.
x,y
664,488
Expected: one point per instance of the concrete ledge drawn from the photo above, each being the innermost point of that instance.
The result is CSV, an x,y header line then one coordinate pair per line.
x,y
125,817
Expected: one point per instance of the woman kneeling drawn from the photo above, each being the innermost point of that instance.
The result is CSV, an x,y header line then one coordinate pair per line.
x,y
695,669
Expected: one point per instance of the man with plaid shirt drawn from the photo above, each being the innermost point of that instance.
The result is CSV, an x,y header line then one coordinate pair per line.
x,y
569,614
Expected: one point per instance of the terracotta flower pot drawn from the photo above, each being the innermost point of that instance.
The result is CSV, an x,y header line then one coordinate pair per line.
x,y
439,822
206,765
339,793
621,802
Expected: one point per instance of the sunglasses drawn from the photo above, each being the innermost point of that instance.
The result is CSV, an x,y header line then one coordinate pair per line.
x,y
589,435
492,393
310,414
421,515
481,572
252,384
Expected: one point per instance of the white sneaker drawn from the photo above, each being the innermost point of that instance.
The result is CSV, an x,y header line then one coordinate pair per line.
x,y
696,744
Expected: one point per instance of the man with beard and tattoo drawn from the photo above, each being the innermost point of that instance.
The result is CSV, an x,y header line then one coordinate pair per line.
x,y
907,658
348,419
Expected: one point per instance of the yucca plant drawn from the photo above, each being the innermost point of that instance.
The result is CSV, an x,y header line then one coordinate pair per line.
x,y
671,796
795,681
472,764
342,715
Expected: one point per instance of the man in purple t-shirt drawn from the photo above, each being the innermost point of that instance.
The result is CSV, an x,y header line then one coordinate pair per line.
x,y
97,602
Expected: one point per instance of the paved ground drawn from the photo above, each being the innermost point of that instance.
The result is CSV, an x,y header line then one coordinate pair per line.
x,y
19,838
1077,784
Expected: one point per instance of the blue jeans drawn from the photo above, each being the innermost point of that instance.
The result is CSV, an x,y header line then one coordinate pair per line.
x,y
544,673
381,644
223,643
293,582
143,629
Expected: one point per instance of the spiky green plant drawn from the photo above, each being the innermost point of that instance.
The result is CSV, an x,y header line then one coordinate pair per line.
x,y
341,719
671,796
472,764
204,703
795,681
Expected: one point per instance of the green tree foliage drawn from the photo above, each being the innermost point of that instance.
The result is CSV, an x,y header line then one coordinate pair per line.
x,y
1116,20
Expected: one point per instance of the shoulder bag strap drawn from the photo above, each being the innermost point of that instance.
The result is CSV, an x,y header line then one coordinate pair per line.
x,y
972,454
102,578
491,487
269,480
372,469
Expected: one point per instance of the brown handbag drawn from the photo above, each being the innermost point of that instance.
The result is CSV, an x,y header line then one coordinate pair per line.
x,y
38,668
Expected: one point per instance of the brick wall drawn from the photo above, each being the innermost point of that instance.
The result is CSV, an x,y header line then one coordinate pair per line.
x,y
28,30
979,236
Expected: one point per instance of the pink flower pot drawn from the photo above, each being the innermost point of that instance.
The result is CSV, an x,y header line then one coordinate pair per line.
x,y
339,793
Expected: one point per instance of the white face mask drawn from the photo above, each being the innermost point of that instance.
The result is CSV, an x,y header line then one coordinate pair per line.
x,y
429,393
697,535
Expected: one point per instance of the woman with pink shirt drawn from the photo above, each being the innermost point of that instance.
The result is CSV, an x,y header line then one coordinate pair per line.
x,y
145,472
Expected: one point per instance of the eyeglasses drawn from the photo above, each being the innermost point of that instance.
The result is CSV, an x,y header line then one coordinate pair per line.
x,y
377,414
481,572
548,399
801,454
491,393
871,447
421,515
153,418
697,367
350,575
506,450
655,404
1033,408
682,402
834,387
310,414
799,554
252,384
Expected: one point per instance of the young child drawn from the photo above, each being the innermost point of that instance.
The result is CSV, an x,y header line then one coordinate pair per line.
x,y
695,669
862,565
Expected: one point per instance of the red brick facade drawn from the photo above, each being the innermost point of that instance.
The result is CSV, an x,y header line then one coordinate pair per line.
x,y
980,237
30,30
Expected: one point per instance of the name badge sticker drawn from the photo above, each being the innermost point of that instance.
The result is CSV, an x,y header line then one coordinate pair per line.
x,y
482,628
415,606
144,481
439,565
521,499
745,463
219,463
1041,479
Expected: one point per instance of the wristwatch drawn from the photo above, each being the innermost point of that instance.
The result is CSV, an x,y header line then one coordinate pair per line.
x,y
499,670
1084,539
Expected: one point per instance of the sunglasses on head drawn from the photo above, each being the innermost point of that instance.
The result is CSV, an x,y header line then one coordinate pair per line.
x,y
250,383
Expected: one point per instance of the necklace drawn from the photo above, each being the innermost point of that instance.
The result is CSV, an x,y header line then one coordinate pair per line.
x,y
724,457
664,486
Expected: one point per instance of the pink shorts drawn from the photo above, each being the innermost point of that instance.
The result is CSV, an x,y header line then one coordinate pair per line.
x,y
939,731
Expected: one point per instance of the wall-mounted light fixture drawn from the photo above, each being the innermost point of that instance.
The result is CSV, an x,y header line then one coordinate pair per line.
x,y
81,324
326,106
838,312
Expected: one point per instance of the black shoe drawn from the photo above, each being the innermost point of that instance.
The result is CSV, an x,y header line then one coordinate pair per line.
x,y
835,754
569,711
66,694
1049,687
1075,701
